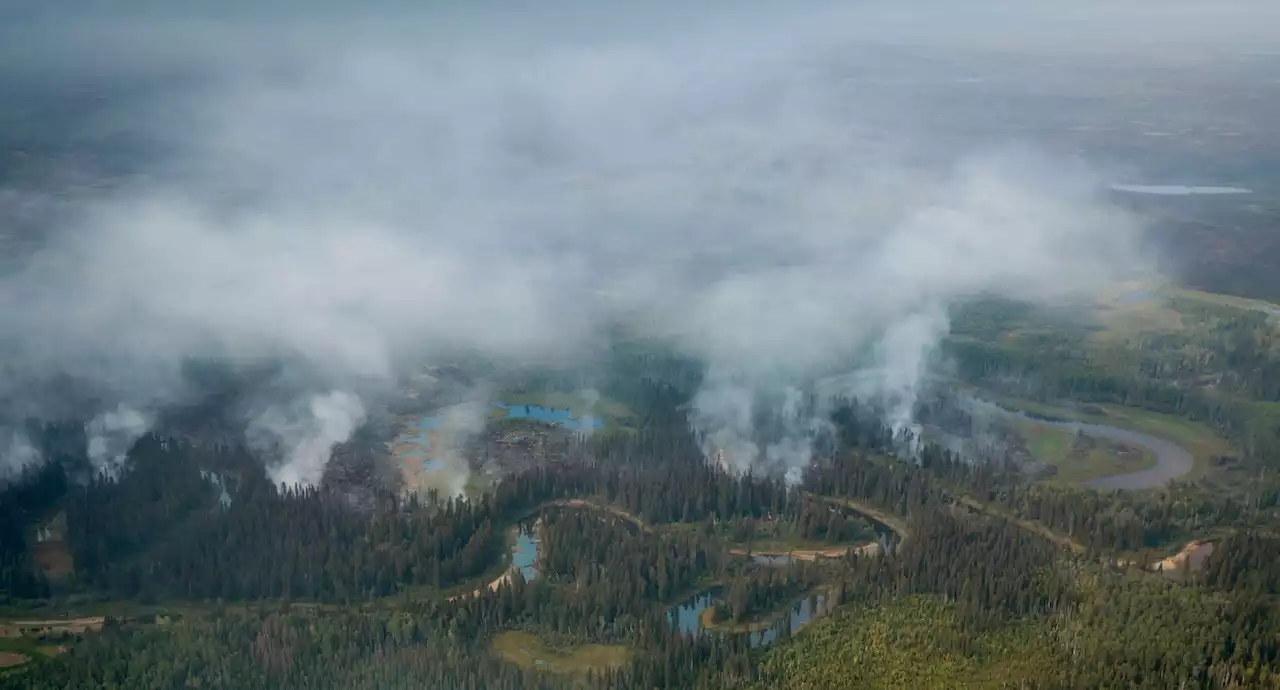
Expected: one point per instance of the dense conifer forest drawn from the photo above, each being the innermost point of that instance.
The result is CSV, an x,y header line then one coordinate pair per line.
x,y
926,571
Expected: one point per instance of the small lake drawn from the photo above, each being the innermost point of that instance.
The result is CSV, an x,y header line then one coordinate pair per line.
x,y
560,416
524,552
687,616
1178,189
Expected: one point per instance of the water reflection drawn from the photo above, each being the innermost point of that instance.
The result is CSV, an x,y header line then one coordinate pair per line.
x,y
687,617
560,416
524,552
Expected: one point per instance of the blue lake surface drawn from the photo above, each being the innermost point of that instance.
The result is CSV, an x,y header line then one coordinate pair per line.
x,y
524,553
687,618
560,416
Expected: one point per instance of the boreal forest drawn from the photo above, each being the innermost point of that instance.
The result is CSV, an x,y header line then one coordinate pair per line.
x,y
623,558
565,345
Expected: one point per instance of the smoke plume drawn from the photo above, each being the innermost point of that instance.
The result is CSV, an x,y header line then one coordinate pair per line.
x,y
16,455
783,191
111,435
299,438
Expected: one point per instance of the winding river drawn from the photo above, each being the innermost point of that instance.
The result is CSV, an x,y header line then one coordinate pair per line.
x,y
1172,460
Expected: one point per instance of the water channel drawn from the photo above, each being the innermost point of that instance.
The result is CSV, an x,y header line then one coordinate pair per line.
x,y
1172,460
687,616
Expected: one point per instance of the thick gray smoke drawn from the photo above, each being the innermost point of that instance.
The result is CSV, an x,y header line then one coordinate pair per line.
x,y
459,425
882,277
778,189
111,435
16,454
303,435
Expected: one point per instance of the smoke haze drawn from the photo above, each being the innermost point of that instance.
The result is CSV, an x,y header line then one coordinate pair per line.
x,y
303,435
111,435
768,186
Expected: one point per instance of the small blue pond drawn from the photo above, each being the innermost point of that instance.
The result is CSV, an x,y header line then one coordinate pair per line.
x,y
561,416
687,619
524,553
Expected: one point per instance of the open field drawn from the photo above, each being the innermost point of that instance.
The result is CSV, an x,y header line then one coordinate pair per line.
x,y
1082,460
1155,302
16,651
1246,303
1128,309
1197,438
527,650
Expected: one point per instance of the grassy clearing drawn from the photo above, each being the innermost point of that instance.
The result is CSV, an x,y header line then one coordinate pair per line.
x,y
1122,322
1224,300
526,650
1046,443
16,651
1078,463
1200,440
1196,437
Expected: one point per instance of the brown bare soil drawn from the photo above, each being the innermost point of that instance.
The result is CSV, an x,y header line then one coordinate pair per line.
x,y
9,659
54,559
1195,551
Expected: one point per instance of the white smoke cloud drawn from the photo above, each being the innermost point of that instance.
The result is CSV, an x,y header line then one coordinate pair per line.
x,y
773,187
459,424
110,437
16,454
900,361
1008,224
722,412
302,435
